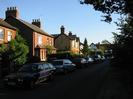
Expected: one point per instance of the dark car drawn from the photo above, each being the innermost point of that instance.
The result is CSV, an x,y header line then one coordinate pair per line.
x,y
80,62
30,75
63,65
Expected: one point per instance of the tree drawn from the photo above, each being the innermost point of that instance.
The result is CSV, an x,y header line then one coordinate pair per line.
x,y
14,53
49,49
105,42
111,6
85,49
122,41
123,50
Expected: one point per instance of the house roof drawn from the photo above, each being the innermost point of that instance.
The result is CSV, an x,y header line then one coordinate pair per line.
x,y
65,35
71,37
74,37
34,28
5,24
55,35
31,26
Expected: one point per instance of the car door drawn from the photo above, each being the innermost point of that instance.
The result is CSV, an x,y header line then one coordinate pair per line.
x,y
43,73
47,69
68,64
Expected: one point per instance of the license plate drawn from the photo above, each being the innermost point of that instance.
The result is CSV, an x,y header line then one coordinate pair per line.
x,y
11,83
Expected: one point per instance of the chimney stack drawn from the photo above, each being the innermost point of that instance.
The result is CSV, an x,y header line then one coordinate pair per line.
x,y
70,33
36,22
12,11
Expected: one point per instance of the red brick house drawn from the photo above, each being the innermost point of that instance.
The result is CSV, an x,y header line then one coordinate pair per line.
x,y
7,33
36,38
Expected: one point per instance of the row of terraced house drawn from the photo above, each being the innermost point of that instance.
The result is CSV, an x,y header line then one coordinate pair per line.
x,y
37,39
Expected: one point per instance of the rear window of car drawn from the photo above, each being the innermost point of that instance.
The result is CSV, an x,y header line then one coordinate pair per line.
x,y
55,63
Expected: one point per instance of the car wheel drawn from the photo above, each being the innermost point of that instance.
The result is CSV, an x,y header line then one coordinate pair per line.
x,y
51,77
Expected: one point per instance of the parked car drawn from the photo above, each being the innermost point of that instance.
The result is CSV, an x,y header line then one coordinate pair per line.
x,y
97,58
90,60
63,65
30,75
80,62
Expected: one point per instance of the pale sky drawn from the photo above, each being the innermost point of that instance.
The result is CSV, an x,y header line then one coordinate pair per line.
x,y
82,20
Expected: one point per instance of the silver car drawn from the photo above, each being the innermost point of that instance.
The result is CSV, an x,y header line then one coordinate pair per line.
x,y
63,65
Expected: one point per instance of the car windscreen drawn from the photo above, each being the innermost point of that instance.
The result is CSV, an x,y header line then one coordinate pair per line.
x,y
28,68
56,63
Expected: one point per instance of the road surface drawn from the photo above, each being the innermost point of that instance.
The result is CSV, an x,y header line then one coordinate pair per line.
x,y
93,82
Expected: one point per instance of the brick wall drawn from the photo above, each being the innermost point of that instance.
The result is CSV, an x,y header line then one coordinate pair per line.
x,y
5,40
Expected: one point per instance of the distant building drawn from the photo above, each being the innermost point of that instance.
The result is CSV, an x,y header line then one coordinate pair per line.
x,y
36,38
67,43
81,47
93,47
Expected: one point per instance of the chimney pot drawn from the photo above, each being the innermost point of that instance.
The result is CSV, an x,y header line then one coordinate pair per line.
x,y
12,11
36,22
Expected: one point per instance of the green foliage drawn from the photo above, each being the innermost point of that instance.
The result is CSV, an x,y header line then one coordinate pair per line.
x,y
61,55
111,6
49,49
85,49
123,42
15,52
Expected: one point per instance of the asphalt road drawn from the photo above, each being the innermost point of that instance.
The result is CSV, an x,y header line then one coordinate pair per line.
x,y
86,83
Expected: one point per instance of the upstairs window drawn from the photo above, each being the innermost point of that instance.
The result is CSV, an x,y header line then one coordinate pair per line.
x,y
39,40
9,35
77,45
1,34
73,43
47,41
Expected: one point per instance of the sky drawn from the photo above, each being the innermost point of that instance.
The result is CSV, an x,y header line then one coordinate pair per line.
x,y
81,20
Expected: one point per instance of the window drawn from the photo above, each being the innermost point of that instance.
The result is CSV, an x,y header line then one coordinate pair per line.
x,y
41,67
9,35
47,41
67,61
73,43
46,66
39,39
50,42
42,54
1,34
77,45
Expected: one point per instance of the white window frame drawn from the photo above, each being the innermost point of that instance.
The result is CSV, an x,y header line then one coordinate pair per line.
x,y
9,36
73,43
76,45
39,40
1,34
